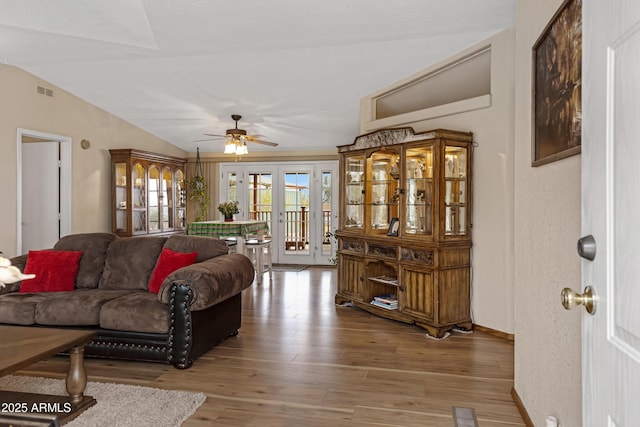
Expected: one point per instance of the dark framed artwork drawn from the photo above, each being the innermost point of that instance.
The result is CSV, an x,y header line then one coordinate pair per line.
x,y
557,87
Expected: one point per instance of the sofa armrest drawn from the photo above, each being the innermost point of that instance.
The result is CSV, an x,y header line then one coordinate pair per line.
x,y
212,280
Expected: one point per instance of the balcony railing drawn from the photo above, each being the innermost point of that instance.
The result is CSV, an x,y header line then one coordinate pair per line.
x,y
296,226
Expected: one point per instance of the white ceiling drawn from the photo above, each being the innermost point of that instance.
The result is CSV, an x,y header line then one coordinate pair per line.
x,y
294,69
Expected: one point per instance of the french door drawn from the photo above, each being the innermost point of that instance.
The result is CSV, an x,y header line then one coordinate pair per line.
x,y
298,201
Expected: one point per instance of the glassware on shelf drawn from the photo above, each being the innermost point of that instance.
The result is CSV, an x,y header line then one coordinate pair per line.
x,y
419,190
455,197
139,189
382,179
354,194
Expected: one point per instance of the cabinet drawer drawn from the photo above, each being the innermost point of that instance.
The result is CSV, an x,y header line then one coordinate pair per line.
x,y
417,255
390,252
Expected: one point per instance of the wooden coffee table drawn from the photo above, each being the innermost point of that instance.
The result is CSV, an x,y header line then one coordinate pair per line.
x,y
21,346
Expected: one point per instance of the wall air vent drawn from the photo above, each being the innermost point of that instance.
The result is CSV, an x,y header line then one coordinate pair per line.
x,y
45,91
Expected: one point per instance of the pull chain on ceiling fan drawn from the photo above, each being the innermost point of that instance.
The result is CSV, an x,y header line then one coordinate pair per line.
x,y
237,139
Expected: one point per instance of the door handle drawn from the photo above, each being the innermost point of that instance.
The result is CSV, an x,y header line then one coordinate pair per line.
x,y
572,299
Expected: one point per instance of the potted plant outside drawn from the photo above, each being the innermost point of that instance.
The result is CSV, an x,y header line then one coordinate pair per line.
x,y
228,209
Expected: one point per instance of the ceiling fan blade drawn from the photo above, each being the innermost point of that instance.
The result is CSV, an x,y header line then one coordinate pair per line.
x,y
211,134
208,139
254,136
259,141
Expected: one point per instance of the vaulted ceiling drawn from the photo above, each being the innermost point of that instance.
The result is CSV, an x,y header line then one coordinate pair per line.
x,y
294,69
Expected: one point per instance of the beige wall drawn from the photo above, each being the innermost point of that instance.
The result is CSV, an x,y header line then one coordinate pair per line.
x,y
547,225
64,115
493,191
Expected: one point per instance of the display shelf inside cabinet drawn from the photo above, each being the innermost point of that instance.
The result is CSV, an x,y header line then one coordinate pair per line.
x,y
422,183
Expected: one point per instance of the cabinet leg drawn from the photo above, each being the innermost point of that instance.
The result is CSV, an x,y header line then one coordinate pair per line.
x,y
339,300
465,326
434,331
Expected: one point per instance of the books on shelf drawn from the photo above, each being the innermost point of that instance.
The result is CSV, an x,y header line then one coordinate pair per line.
x,y
387,301
386,298
389,280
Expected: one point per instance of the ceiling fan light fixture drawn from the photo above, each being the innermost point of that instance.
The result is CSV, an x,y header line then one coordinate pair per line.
x,y
230,147
242,149
236,139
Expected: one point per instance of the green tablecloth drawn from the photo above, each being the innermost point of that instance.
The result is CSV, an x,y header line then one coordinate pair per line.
x,y
221,228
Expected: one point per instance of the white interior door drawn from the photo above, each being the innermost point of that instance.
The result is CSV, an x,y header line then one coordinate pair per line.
x,y
611,202
40,195
44,189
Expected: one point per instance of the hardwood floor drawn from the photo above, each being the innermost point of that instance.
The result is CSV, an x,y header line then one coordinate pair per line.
x,y
299,360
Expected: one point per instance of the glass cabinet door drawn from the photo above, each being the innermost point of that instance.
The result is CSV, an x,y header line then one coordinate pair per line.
x,y
154,192
167,200
181,199
139,198
418,175
354,194
455,191
120,174
382,191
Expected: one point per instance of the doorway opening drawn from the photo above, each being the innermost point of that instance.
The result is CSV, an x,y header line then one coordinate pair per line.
x,y
43,190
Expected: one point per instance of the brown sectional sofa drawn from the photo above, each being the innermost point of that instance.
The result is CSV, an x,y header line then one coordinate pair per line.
x,y
196,308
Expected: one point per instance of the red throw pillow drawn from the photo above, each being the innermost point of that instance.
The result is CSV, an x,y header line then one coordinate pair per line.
x,y
168,262
55,271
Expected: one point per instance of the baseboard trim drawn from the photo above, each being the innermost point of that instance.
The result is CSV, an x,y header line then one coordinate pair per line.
x,y
494,332
523,411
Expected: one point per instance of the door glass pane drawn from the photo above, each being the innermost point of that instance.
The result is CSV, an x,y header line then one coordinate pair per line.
x,y
166,201
261,197
139,198
232,186
296,213
419,191
120,171
154,199
327,214
455,191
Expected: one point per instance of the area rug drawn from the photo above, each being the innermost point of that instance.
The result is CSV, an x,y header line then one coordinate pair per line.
x,y
289,267
118,404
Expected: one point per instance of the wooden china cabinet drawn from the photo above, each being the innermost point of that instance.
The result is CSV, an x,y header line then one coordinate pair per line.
x,y
404,241
148,193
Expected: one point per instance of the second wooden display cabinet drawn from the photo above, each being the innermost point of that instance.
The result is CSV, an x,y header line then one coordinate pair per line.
x,y
148,194
405,227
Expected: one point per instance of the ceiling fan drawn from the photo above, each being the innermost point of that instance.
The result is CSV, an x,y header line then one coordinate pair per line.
x,y
237,139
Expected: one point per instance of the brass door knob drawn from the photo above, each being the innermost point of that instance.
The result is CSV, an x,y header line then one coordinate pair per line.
x,y
572,299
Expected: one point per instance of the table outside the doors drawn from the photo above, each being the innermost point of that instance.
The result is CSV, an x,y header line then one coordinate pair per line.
x,y
238,229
